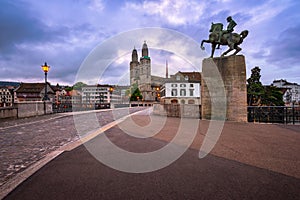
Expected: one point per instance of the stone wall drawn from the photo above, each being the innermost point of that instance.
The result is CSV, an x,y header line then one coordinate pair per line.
x,y
177,110
33,108
224,84
8,112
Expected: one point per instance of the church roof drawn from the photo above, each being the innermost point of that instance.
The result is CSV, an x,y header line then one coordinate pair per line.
x,y
193,76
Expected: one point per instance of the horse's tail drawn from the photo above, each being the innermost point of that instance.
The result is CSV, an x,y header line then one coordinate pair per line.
x,y
244,34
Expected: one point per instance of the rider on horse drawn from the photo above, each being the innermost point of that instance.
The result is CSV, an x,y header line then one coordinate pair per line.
x,y
230,26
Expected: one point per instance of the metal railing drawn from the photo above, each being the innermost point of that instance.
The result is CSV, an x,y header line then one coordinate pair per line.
x,y
274,114
69,107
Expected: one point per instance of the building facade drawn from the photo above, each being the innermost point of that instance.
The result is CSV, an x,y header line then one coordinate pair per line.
x,y
6,97
291,94
93,94
182,88
33,92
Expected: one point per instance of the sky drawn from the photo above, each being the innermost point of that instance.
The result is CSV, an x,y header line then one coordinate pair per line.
x,y
67,34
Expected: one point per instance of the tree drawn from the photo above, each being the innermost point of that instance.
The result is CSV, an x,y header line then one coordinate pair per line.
x,y
134,93
79,85
272,96
255,89
69,88
259,95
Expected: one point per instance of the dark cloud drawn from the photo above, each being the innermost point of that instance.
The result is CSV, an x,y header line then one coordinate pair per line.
x,y
64,32
17,25
285,49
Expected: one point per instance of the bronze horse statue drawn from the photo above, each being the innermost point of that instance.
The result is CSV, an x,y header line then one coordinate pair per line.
x,y
232,40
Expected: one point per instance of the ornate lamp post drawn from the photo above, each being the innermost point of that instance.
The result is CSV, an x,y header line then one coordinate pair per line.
x,y
45,68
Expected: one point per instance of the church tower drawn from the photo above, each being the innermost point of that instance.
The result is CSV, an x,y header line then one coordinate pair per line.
x,y
140,73
134,68
145,74
145,65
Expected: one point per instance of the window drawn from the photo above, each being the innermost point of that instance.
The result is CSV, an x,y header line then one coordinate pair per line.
x,y
174,92
191,92
178,78
191,85
174,101
182,85
186,78
191,101
182,92
173,85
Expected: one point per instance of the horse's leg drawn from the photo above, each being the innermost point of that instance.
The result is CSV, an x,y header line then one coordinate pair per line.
x,y
213,48
231,47
202,47
226,52
237,49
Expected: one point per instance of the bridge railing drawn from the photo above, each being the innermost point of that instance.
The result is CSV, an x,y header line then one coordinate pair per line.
x,y
274,114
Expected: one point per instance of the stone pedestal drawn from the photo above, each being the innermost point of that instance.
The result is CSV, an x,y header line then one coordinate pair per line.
x,y
223,88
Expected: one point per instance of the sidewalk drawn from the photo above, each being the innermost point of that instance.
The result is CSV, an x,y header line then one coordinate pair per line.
x,y
249,161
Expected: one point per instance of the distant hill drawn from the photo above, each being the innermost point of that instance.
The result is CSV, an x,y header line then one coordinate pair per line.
x,y
9,83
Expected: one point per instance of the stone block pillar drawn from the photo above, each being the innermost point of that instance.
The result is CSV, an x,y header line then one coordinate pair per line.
x,y
224,84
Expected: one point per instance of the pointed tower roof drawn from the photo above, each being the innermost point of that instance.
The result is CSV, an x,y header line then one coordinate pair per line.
x,y
145,51
134,56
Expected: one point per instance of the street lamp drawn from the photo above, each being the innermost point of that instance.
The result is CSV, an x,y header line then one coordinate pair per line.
x,y
45,68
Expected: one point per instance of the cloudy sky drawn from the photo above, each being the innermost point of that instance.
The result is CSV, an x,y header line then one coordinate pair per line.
x,y
68,33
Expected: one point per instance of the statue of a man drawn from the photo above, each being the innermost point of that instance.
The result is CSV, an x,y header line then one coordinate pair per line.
x,y
230,26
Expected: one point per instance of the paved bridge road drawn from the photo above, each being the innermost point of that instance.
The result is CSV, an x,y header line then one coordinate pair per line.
x,y
249,161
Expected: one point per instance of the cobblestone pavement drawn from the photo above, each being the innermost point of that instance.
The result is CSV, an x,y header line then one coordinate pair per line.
x,y
25,141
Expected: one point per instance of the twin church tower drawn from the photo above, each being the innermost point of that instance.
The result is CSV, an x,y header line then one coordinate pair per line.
x,y
140,74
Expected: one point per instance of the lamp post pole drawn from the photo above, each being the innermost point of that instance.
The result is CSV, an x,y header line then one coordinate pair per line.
x,y
293,111
45,68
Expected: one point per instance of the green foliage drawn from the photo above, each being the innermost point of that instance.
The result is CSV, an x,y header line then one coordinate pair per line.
x,y
69,89
134,93
255,89
272,96
79,85
259,95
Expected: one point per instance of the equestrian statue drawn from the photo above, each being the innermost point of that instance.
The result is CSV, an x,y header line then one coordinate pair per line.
x,y
218,36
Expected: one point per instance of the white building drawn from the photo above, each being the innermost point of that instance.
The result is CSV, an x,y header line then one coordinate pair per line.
x,y
292,92
92,94
119,95
6,97
182,88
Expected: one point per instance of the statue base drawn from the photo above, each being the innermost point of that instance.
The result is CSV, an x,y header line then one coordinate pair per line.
x,y
232,70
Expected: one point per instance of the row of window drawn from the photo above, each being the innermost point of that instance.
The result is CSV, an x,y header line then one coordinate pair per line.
x,y
5,93
181,85
5,97
94,93
93,97
185,78
182,92
95,90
